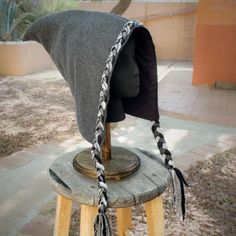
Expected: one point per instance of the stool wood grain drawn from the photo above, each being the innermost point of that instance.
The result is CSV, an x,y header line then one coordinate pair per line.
x,y
87,218
63,215
144,186
155,216
124,220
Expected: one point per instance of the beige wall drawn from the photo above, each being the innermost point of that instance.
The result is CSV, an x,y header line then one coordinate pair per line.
x,y
172,25
20,58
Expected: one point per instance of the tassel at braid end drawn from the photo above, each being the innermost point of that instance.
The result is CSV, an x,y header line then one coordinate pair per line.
x,y
102,225
177,177
181,182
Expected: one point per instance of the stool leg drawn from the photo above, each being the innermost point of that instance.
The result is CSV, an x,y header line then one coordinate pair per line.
x,y
155,217
124,220
63,215
87,218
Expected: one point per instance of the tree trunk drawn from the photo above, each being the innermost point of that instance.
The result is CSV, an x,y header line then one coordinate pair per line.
x,y
121,7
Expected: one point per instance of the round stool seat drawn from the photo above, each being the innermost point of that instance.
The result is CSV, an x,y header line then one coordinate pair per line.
x,y
147,183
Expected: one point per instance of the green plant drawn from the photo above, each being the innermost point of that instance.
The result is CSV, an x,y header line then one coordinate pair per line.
x,y
13,23
50,6
42,8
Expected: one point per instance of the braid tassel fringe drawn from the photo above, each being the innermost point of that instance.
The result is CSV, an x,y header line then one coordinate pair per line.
x,y
102,225
177,179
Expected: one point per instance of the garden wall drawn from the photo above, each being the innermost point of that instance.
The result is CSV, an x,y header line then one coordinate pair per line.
x,y
21,58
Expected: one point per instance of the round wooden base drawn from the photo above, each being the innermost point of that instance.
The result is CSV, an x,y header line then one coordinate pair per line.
x,y
122,163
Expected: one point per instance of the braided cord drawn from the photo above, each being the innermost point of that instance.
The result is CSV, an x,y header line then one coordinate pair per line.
x,y
177,179
101,118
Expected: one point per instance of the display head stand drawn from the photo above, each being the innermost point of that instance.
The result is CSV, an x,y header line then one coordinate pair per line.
x,y
118,162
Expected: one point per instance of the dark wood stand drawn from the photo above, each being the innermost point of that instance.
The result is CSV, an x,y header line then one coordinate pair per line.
x,y
119,162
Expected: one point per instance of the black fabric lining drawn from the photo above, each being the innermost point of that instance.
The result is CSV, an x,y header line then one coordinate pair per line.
x,y
145,105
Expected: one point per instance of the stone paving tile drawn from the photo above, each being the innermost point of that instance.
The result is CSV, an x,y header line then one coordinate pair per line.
x,y
38,228
15,160
186,160
204,152
43,223
222,146
227,139
178,95
47,148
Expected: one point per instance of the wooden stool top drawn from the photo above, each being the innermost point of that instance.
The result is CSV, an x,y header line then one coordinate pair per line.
x,y
148,182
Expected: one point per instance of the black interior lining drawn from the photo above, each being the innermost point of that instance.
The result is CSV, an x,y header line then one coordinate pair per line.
x,y
145,105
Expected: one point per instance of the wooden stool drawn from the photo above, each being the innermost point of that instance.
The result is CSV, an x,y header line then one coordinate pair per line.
x,y
144,186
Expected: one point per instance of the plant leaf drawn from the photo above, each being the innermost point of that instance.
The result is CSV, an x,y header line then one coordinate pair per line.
x,y
19,20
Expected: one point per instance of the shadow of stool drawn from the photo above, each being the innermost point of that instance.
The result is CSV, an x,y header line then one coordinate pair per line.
x,y
146,186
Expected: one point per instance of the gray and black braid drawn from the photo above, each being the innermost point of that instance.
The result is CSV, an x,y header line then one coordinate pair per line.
x,y
101,226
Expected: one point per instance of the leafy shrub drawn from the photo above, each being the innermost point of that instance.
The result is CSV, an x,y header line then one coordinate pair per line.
x,y
13,23
17,15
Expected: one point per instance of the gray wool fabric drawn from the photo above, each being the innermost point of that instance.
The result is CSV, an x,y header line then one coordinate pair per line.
x,y
79,43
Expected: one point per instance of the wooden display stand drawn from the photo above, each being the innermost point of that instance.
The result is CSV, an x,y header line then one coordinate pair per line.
x,y
145,185
118,162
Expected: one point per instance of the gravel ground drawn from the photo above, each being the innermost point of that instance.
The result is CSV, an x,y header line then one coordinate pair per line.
x,y
34,111
211,202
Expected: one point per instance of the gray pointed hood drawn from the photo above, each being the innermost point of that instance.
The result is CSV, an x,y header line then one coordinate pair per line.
x,y
79,43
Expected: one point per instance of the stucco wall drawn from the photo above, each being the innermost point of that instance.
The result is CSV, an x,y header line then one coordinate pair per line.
x,y
215,50
172,25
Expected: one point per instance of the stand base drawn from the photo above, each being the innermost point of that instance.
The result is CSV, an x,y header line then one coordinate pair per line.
x,y
122,163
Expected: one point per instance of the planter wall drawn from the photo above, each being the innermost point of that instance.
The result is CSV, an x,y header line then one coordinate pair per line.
x,y
20,58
